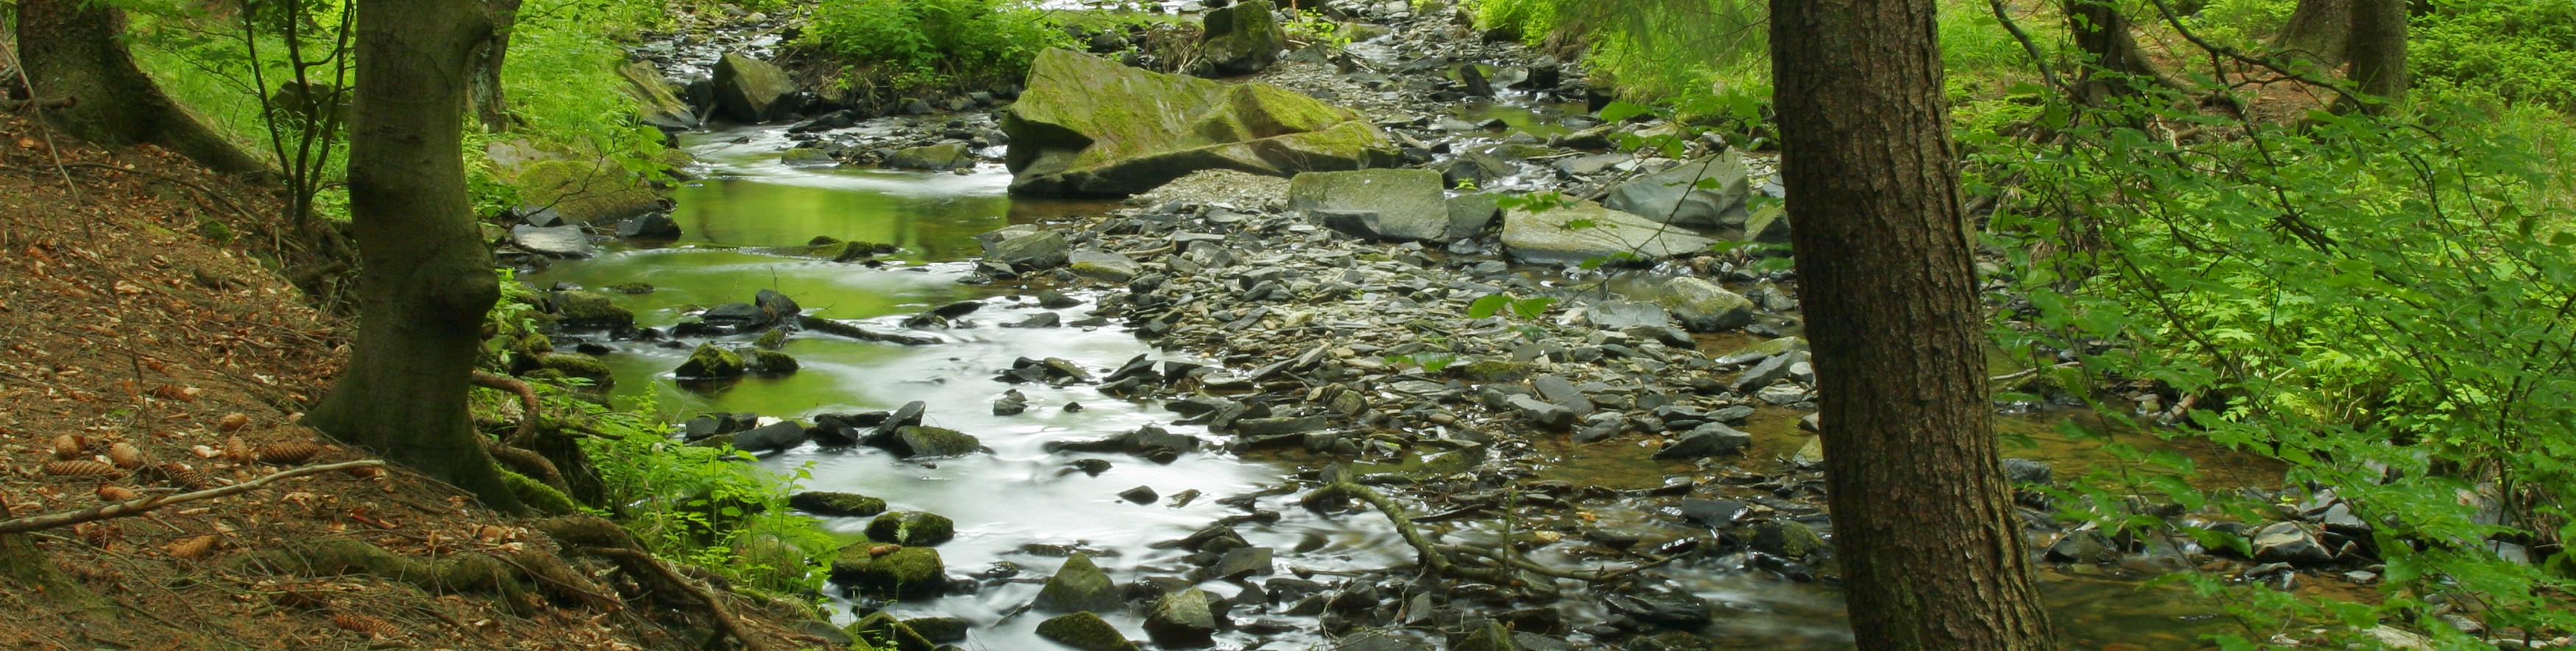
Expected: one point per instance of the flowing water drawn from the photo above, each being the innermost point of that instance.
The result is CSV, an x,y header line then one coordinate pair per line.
x,y
1023,505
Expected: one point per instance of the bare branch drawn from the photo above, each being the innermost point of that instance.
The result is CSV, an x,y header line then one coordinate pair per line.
x,y
142,505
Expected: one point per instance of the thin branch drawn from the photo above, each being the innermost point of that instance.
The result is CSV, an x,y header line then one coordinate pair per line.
x,y
2264,62
2045,71
142,505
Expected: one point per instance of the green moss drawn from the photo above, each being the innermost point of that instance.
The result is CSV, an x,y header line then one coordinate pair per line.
x,y
912,528
537,495
1085,631
583,308
575,365
1786,538
585,191
772,362
1491,370
906,573
632,288
829,503
772,340
709,361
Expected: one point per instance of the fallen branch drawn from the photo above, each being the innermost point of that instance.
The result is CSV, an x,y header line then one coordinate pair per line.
x,y
142,505
2016,375
1439,557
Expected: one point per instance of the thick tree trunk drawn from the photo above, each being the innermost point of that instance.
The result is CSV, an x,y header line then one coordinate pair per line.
x,y
2378,52
2102,33
426,277
491,105
1924,530
75,59
2316,32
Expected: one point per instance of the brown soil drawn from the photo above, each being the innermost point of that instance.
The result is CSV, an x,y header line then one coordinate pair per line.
x,y
121,322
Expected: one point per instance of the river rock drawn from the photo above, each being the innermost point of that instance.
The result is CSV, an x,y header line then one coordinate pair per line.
x,y
1079,586
1707,193
655,104
904,573
1789,539
1491,636
940,157
1585,230
1241,563
828,503
1086,632
1665,608
1242,39
1090,126
1184,618
1543,413
911,528
2289,542
750,90
922,441
2086,546
1761,350
1709,439
780,435
557,241
1030,251
1104,266
1773,369
1622,315
590,310
807,157
710,362
1396,204
657,225
1768,224
1471,213
1702,306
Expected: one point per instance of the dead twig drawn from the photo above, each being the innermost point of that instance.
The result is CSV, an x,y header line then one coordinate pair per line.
x,y
142,505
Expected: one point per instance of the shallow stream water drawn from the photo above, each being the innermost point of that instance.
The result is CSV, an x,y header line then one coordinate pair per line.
x,y
1022,504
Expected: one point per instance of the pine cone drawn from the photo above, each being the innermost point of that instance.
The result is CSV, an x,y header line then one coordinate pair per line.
x,y
289,453
194,548
71,446
125,455
81,468
184,476
365,624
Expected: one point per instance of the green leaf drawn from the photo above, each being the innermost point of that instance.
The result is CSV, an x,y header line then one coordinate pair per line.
x,y
1487,306
1618,111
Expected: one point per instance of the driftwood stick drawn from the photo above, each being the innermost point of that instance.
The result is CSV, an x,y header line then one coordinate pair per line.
x,y
142,505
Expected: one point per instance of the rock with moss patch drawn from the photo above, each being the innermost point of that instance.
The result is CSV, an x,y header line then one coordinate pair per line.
x,y
1089,126
593,191
828,503
592,310
912,528
921,441
710,362
750,90
1182,619
1402,205
1786,538
1079,586
655,104
1241,39
771,362
774,339
1491,370
904,573
937,158
577,365
632,288
1085,631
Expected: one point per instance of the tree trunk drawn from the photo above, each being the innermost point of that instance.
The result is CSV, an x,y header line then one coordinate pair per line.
x,y
426,277
1925,531
2378,53
2102,33
74,51
2316,32
485,92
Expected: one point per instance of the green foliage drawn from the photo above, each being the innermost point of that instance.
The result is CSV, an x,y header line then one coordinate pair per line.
x,y
2382,306
703,505
1312,27
2518,49
934,42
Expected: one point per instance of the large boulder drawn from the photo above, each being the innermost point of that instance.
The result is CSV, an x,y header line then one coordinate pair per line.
x,y
901,572
655,104
1392,204
1242,39
1702,306
750,90
1087,126
1676,196
1579,231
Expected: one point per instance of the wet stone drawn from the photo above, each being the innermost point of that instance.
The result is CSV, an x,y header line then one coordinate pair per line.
x,y
1679,610
774,436
1079,586
1787,539
1708,439
911,528
828,503
1542,413
2085,546
1086,632
1140,495
1182,619
2289,542
1714,513
1240,563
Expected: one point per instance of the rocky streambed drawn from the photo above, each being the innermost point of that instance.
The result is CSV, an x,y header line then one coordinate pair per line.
x,y
1184,419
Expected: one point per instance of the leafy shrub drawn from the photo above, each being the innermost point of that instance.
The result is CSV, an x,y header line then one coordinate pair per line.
x,y
2519,49
930,42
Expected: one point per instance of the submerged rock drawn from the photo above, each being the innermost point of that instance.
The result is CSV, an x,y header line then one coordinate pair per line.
x,y
1089,126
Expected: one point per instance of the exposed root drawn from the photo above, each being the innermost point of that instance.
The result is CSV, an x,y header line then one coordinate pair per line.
x,y
528,406
599,537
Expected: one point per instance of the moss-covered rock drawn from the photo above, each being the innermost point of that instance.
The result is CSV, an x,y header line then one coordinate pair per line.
x,y
655,104
771,362
926,441
1090,126
1787,539
1085,631
1491,370
901,573
940,157
1079,586
1242,39
710,362
883,631
590,309
912,528
577,365
632,288
830,503
586,191
774,339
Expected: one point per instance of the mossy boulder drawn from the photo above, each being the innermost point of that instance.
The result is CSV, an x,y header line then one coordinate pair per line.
x,y
655,104
1079,586
830,503
902,573
1242,39
925,441
1089,126
586,191
940,157
710,362
1085,631
591,309
771,362
774,339
577,365
750,91
1787,539
912,528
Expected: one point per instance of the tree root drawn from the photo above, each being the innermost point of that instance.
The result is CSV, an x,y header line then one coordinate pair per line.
x,y
1441,559
528,405
599,537
505,577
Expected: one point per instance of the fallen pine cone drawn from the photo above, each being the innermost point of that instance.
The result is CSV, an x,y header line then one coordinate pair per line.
x,y
71,446
193,548
366,472
289,453
233,421
237,451
115,493
125,455
97,534
182,475
81,468
365,624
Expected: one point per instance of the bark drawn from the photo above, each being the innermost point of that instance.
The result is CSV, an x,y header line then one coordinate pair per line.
x,y
491,106
74,55
425,279
2316,32
1924,529
2378,53
2103,34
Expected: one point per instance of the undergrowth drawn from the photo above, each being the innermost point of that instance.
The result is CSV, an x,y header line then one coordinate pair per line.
x,y
932,44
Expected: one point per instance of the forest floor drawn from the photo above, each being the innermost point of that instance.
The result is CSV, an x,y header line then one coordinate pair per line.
x,y
139,352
